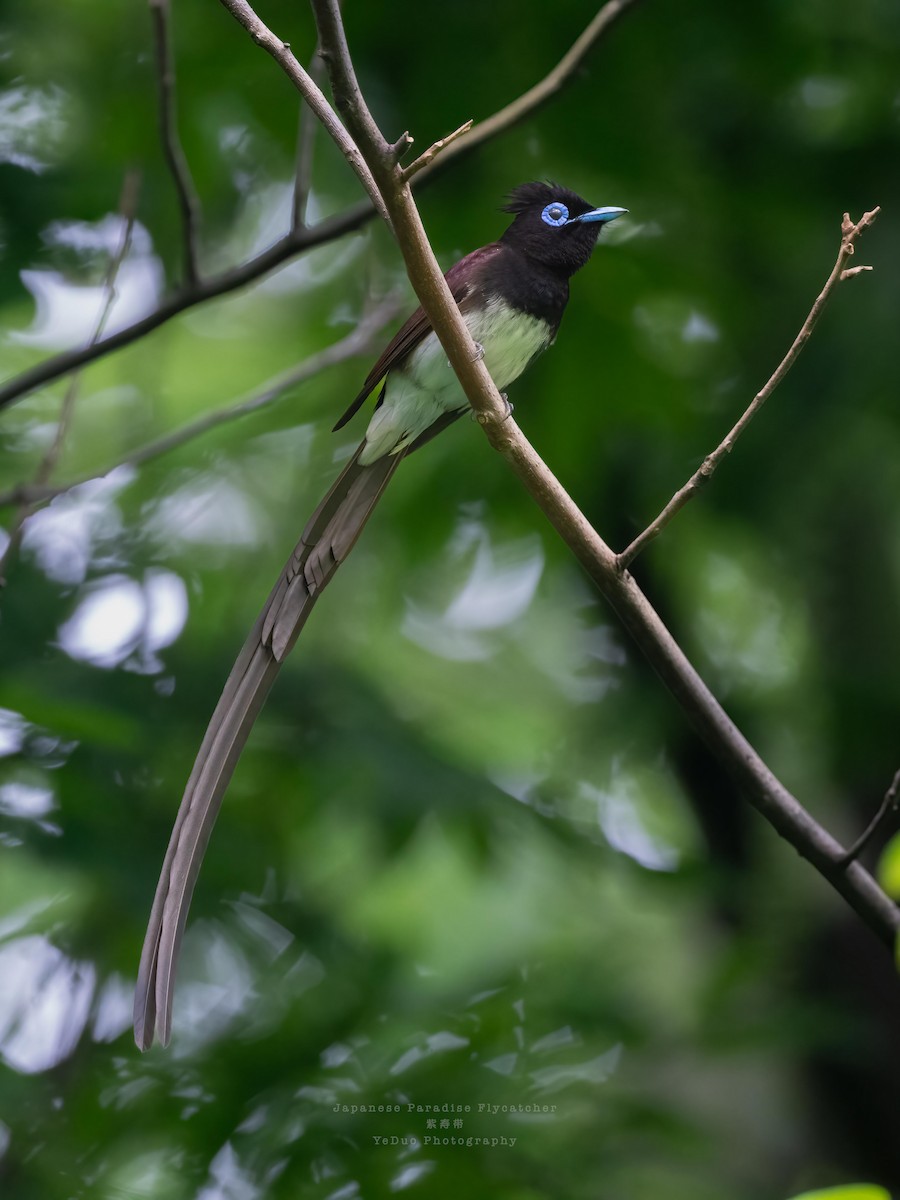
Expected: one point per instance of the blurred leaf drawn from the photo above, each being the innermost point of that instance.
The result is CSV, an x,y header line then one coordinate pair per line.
x,y
847,1191
888,869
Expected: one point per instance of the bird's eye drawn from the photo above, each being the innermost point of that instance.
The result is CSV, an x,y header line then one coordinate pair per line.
x,y
555,214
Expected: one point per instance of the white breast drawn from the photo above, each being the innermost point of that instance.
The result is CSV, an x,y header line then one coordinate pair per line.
x,y
426,387
511,339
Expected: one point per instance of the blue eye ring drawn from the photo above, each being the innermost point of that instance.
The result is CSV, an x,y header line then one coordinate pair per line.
x,y
555,214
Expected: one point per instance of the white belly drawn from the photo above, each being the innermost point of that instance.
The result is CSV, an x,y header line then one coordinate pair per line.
x,y
426,387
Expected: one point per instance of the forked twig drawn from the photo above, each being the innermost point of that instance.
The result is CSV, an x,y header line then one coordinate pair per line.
x,y
849,233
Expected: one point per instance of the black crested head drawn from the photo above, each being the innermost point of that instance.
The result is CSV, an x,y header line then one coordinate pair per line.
x,y
554,226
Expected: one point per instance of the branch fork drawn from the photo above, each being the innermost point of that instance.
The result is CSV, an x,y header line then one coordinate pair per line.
x,y
434,150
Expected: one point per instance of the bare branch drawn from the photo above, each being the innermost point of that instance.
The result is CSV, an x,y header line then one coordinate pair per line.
x,y
431,153
889,806
849,234
173,151
358,341
541,92
47,465
209,288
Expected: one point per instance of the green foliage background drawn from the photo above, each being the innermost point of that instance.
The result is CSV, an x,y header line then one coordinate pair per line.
x,y
472,855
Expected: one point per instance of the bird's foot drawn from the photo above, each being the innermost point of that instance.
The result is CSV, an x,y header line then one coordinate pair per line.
x,y
476,357
510,408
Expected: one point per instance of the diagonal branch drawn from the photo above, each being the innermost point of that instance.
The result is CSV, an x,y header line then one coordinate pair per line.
x,y
548,87
173,151
209,288
357,341
767,794
703,474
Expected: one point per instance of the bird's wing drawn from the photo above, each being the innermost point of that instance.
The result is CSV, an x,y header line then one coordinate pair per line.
x,y
463,279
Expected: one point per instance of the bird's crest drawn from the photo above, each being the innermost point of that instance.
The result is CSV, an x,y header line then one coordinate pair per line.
x,y
538,191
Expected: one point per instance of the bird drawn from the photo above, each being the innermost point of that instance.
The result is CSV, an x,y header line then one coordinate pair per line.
x,y
512,295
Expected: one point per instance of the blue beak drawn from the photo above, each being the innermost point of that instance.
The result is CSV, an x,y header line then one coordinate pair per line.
x,y
599,214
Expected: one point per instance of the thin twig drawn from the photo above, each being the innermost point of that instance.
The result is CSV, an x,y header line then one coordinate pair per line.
x,y
357,341
849,234
298,241
48,464
552,83
434,150
306,137
188,201
889,806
